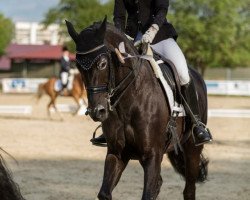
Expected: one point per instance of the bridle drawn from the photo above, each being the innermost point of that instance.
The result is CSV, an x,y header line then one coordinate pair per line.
x,y
115,92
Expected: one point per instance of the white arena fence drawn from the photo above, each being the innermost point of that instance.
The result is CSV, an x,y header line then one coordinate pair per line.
x,y
30,85
237,88
27,109
14,109
228,113
66,108
21,85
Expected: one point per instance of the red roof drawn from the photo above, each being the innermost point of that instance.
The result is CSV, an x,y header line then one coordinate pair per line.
x,y
31,52
5,63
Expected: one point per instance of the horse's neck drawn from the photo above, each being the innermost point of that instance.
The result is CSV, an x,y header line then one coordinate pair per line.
x,y
145,79
114,37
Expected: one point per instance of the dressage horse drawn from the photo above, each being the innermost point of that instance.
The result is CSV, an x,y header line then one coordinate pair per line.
x,y
78,92
129,101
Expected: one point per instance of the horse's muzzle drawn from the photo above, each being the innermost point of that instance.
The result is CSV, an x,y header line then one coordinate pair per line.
x,y
99,113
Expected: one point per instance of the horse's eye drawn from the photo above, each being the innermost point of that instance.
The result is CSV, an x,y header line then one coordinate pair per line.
x,y
102,64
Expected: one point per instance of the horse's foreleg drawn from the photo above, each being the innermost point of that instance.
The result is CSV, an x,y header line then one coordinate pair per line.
x,y
48,109
53,104
114,167
192,155
79,103
84,97
60,115
152,176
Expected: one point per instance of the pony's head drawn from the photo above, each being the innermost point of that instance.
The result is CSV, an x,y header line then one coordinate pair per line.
x,y
96,63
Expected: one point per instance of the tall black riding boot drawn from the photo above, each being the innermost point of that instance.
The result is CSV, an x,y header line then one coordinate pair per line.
x,y
201,134
63,90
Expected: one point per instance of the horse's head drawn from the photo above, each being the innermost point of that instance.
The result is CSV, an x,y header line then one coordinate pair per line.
x,y
92,58
95,60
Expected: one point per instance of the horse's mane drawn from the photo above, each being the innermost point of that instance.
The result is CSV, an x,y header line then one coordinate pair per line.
x,y
117,37
114,37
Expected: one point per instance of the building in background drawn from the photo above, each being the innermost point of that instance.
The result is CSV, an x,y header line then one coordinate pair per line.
x,y
31,61
35,52
35,33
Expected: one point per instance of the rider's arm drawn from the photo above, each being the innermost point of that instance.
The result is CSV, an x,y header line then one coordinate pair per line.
x,y
161,11
119,15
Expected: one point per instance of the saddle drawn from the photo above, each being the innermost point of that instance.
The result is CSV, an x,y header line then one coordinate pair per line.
x,y
170,74
165,72
58,86
168,71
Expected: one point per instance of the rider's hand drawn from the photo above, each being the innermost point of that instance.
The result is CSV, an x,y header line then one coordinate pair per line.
x,y
144,48
149,36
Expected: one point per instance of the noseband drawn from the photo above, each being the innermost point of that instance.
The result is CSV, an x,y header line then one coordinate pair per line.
x,y
86,63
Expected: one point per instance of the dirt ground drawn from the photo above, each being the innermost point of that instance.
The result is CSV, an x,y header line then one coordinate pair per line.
x,y
57,161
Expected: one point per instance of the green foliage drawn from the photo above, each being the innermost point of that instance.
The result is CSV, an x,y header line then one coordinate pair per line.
x,y
213,33
81,13
6,33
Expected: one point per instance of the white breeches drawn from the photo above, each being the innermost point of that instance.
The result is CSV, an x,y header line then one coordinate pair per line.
x,y
64,77
170,50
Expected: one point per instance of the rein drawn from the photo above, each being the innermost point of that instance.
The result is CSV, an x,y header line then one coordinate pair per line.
x,y
111,88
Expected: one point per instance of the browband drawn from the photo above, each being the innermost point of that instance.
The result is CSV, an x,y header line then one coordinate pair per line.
x,y
91,50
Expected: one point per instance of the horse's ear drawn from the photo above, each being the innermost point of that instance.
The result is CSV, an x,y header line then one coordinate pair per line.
x,y
71,30
101,31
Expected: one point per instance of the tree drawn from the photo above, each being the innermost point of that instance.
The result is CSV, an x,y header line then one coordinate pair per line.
x,y
6,33
213,33
81,13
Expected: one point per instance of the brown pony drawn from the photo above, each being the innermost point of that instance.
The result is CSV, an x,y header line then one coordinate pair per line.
x,y
78,92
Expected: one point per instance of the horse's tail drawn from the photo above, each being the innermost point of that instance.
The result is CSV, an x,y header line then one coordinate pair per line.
x,y
40,91
8,188
178,163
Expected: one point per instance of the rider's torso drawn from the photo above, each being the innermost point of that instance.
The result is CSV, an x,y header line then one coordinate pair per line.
x,y
141,15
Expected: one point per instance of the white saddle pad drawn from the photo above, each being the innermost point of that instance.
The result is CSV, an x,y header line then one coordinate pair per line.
x,y
58,85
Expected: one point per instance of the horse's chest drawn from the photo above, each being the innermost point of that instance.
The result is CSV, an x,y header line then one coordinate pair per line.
x,y
129,134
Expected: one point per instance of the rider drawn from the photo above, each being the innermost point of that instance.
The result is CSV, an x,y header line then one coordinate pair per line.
x,y
65,67
146,21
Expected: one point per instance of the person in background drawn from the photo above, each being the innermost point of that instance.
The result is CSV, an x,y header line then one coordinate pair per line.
x,y
65,67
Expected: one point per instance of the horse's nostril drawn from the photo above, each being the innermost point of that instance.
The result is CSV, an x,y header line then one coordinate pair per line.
x,y
102,111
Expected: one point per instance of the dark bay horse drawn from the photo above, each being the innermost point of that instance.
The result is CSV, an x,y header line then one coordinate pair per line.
x,y
78,92
129,101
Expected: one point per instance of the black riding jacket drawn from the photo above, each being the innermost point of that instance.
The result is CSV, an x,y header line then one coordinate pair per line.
x,y
65,65
132,16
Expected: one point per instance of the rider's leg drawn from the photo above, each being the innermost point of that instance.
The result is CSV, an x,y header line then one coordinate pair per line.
x,y
171,51
201,134
64,79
